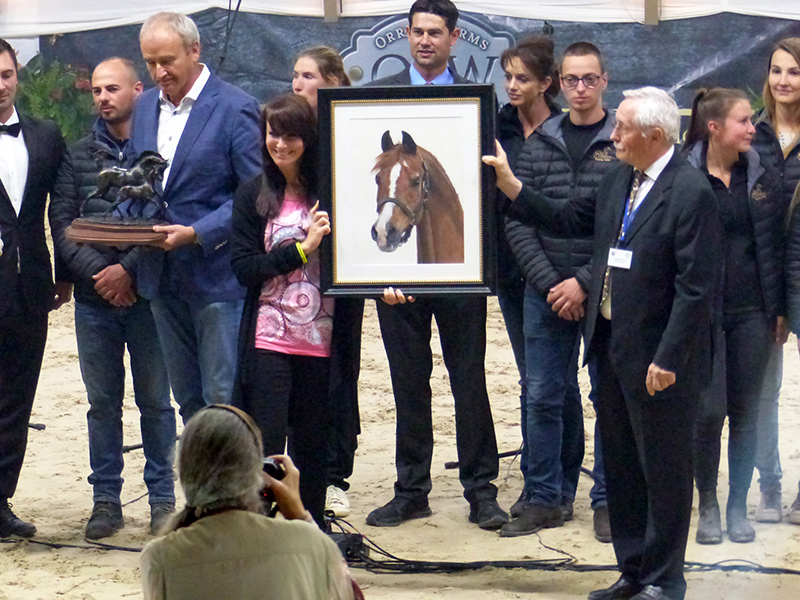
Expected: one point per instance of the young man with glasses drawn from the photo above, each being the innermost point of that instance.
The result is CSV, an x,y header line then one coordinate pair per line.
x,y
565,158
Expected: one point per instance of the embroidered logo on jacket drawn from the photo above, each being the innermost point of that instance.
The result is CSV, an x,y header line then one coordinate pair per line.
x,y
758,194
604,155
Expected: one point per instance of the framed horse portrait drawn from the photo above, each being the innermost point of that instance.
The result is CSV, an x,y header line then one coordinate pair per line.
x,y
410,202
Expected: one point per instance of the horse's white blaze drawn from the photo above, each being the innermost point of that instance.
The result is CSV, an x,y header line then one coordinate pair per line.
x,y
383,221
386,212
394,175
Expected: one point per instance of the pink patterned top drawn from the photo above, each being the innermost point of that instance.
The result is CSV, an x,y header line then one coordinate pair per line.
x,y
293,317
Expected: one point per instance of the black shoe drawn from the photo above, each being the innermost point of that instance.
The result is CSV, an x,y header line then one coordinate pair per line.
x,y
651,592
11,524
399,510
602,525
487,514
532,519
106,520
518,506
623,589
739,528
709,525
159,515
567,509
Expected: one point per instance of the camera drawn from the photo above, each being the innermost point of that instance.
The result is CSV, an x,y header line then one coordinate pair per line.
x,y
275,470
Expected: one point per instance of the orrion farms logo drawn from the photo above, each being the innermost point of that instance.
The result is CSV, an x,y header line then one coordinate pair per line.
x,y
383,50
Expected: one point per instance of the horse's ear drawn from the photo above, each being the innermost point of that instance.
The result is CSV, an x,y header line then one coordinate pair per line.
x,y
409,145
386,141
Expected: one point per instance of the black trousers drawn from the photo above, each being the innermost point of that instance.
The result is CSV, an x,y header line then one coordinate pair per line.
x,y
22,340
287,396
742,350
345,367
647,454
406,331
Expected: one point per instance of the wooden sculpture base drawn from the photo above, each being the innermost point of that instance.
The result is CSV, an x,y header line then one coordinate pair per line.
x,y
115,232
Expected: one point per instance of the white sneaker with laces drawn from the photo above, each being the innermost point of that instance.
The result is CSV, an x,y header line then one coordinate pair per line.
x,y
336,501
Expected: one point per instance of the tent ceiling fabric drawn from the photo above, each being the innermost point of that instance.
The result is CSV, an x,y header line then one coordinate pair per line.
x,y
25,18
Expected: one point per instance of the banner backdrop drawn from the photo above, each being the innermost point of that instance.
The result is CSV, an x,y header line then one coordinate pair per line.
x,y
679,56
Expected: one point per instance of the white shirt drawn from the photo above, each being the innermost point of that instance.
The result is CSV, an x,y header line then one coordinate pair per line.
x,y
13,164
172,119
652,172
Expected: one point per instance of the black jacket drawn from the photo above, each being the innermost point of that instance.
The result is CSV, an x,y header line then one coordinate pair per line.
x,y
766,144
544,164
768,205
26,276
662,307
511,136
77,178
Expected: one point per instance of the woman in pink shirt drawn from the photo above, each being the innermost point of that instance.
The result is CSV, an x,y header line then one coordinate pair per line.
x,y
285,336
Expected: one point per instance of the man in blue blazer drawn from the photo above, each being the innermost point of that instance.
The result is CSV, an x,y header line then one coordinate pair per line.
x,y
208,130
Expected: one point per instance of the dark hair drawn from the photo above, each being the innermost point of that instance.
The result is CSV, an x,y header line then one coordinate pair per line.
x,y
536,54
328,62
585,49
6,47
710,105
792,46
442,8
291,115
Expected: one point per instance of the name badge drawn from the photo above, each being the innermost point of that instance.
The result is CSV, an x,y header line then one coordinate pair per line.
x,y
619,258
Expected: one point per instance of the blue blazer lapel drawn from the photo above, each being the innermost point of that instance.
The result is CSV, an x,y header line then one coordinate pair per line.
x,y
201,113
147,134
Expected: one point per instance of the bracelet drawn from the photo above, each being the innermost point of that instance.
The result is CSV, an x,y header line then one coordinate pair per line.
x,y
302,254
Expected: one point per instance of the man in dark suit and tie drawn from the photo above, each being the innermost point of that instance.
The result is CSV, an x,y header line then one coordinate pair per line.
x,y
656,260
30,154
209,132
406,331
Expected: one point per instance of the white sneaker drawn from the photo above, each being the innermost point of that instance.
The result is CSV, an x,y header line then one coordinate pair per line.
x,y
336,501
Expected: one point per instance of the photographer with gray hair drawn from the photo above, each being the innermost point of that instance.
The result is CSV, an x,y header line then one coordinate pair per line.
x,y
222,545
655,264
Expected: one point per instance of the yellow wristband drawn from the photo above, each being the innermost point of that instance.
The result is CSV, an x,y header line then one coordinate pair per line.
x,y
302,254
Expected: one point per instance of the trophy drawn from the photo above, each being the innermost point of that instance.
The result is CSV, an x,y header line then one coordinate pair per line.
x,y
127,219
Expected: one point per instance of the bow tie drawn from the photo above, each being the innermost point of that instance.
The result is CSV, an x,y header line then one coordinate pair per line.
x,y
12,129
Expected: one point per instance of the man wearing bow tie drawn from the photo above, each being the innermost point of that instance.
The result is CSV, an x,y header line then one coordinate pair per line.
x,y
30,154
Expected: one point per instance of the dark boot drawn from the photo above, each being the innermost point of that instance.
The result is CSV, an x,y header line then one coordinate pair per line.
x,y
709,525
739,528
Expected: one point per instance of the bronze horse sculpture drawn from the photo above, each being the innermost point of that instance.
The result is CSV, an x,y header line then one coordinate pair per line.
x,y
136,184
415,191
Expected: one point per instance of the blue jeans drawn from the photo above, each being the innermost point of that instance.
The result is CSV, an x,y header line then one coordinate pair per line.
x,y
511,297
768,458
200,348
553,432
598,491
103,332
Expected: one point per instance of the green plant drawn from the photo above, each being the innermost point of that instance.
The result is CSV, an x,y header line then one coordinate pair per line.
x,y
57,92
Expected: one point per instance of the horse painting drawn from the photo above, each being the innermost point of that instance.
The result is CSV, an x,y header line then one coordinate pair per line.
x,y
415,191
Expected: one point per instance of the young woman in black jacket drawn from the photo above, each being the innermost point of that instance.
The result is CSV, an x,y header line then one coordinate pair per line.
x,y
750,301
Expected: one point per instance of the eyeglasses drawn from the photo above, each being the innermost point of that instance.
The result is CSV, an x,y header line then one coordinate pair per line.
x,y
591,80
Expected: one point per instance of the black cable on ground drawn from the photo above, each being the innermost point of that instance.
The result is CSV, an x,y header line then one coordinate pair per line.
x,y
390,563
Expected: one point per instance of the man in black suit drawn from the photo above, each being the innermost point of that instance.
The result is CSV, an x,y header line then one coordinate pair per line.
x,y
656,259
30,153
406,331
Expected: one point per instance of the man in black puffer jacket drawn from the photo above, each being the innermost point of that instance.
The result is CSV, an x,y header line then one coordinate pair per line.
x,y
565,158
109,315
